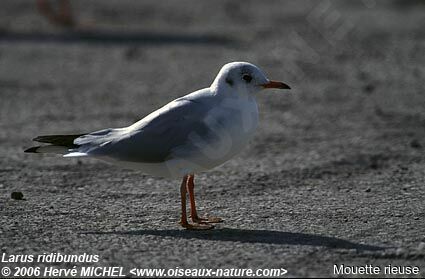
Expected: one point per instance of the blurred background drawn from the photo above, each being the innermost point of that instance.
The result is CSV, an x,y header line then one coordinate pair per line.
x,y
344,147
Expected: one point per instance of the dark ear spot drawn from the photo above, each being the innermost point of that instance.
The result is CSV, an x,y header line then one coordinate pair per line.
x,y
229,81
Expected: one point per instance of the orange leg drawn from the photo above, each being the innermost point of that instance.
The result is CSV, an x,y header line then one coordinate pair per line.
x,y
183,221
190,189
193,212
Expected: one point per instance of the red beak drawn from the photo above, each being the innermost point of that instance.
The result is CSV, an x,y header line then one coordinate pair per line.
x,y
276,84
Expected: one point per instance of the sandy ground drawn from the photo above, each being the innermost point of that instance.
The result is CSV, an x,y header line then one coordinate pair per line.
x,y
335,174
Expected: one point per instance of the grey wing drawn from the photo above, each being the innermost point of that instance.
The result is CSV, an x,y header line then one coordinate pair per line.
x,y
153,139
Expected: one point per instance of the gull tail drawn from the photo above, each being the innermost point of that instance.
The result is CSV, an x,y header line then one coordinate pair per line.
x,y
58,144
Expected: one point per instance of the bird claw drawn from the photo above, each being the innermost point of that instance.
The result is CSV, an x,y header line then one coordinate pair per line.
x,y
197,226
207,220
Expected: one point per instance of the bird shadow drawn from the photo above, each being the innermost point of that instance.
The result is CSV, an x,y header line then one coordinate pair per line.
x,y
108,37
252,236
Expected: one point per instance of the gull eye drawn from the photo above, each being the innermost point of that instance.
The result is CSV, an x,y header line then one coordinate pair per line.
x,y
247,78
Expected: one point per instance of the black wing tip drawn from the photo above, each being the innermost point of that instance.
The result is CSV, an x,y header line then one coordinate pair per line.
x,y
41,138
32,149
61,140
38,138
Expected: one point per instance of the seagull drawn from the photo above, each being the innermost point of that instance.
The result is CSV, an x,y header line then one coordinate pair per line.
x,y
189,135
62,16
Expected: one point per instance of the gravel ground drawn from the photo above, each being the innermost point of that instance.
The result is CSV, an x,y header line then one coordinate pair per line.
x,y
335,174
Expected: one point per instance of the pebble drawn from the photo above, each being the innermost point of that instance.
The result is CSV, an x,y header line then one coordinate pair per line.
x,y
17,195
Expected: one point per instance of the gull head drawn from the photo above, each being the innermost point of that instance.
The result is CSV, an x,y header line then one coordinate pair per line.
x,y
244,78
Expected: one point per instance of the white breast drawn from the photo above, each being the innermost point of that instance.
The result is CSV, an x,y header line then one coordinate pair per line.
x,y
233,123
240,119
